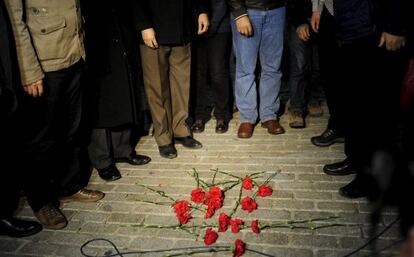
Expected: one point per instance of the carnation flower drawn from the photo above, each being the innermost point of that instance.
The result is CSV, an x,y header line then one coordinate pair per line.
x,y
239,248
248,204
198,195
235,225
210,237
248,183
265,191
255,226
224,222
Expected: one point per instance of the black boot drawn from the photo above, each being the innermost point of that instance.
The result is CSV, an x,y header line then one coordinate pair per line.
x,y
15,227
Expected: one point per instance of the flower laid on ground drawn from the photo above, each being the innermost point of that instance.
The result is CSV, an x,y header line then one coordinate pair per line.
x,y
224,222
235,225
248,204
198,195
248,183
210,237
182,209
265,191
255,226
239,248
208,198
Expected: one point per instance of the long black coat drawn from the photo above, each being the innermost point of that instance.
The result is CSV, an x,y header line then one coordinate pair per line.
x,y
112,55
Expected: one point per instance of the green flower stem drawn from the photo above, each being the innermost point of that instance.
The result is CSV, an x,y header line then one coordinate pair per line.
x,y
230,187
200,182
161,193
214,176
238,201
152,202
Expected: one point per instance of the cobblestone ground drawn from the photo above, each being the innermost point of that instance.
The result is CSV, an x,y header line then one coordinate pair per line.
x,y
301,191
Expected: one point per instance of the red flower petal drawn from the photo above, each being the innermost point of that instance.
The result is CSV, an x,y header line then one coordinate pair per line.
x,y
255,226
248,183
235,225
239,248
248,204
224,222
210,236
265,191
198,195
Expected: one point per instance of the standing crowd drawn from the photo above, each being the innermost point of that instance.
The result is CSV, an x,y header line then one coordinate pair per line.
x,y
80,85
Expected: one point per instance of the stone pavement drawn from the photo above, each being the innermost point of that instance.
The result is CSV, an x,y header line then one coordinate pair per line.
x,y
301,191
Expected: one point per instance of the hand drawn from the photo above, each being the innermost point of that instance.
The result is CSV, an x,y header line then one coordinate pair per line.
x,y
203,23
148,35
34,89
315,20
303,32
244,26
391,42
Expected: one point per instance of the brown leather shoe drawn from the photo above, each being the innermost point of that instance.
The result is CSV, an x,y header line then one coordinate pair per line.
x,y
51,217
273,127
245,130
83,195
296,120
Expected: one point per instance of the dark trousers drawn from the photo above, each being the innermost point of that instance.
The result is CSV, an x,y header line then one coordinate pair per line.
x,y
109,144
363,94
330,71
304,74
212,69
52,132
17,170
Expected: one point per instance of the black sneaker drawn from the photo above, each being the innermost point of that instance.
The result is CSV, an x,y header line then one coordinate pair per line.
x,y
110,173
328,137
357,188
341,168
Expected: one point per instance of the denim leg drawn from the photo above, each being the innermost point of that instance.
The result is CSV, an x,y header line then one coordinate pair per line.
x,y
298,51
271,50
246,50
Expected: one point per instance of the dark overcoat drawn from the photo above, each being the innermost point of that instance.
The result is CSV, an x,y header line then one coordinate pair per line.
x,y
112,56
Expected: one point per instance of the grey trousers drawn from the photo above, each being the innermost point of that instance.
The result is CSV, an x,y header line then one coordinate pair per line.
x,y
107,145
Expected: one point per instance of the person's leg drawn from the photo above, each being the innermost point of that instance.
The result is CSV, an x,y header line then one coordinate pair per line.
x,y
314,89
100,148
246,51
155,67
70,157
180,63
123,149
298,66
202,88
219,52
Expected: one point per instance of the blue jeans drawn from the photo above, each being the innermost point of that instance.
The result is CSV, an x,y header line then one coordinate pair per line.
x,y
267,43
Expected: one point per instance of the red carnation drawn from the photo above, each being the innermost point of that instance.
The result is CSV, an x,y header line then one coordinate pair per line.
x,y
181,209
210,212
239,247
215,192
248,183
183,218
224,222
198,195
181,206
248,204
265,191
235,225
255,226
210,236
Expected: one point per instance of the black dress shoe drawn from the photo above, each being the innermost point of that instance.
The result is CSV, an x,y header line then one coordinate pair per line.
x,y
168,151
198,126
355,189
188,142
18,228
134,159
339,168
222,126
328,137
110,173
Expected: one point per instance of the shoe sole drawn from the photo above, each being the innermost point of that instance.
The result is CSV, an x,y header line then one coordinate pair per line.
x,y
297,126
335,141
244,136
31,233
273,133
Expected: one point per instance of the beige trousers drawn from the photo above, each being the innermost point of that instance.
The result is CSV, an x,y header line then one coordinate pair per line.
x,y
167,85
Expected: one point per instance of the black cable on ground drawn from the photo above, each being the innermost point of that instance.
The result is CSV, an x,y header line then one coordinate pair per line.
x,y
202,249
373,239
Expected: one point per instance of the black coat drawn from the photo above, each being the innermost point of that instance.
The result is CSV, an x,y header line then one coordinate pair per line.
x,y
174,22
116,90
9,80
